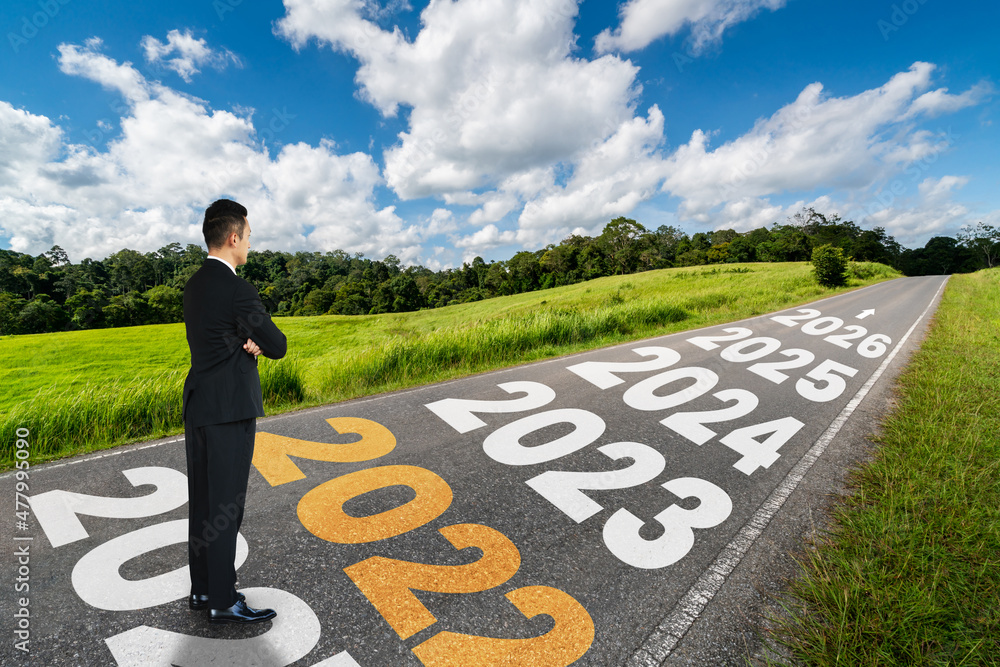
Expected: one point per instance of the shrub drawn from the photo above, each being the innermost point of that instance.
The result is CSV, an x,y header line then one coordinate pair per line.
x,y
830,266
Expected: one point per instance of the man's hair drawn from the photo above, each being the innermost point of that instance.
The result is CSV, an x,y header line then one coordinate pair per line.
x,y
222,218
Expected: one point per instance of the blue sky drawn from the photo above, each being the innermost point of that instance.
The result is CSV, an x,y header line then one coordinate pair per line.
x,y
445,130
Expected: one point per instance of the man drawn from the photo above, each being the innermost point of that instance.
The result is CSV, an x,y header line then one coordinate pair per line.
x,y
227,327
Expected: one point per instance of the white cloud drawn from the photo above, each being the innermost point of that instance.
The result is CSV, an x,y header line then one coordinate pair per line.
x,y
848,142
915,216
609,180
149,186
191,54
26,142
88,62
940,189
504,117
644,21
492,86
938,102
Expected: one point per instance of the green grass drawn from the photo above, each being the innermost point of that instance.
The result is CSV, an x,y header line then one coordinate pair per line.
x,y
86,390
909,574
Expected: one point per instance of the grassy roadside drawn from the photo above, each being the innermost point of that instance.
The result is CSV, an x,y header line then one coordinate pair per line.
x,y
909,573
87,390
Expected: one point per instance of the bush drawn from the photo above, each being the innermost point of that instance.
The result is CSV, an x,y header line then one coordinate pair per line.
x,y
870,270
830,266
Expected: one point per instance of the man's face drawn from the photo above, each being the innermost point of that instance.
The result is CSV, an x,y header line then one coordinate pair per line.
x,y
243,245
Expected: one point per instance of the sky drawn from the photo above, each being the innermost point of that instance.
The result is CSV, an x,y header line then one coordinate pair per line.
x,y
444,130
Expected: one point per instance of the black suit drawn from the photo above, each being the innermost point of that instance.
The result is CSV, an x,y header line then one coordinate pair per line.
x,y
222,399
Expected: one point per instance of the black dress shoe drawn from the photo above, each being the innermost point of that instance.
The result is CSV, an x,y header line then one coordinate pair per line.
x,y
240,613
200,602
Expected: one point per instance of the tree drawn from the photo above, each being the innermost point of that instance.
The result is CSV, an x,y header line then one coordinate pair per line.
x,y
57,256
86,308
167,262
166,304
621,238
126,310
351,300
497,279
718,254
131,271
944,255
525,271
983,241
407,294
11,306
41,315
830,266
666,240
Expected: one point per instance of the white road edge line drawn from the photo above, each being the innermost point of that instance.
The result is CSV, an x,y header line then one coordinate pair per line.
x,y
668,634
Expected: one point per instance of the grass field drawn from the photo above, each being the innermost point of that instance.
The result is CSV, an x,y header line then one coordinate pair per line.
x,y
84,390
910,572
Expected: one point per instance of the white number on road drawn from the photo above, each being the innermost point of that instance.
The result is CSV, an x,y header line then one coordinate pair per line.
x,y
621,532
825,372
770,370
840,340
292,635
758,454
57,510
457,412
692,424
712,342
96,578
874,346
737,351
641,395
564,488
822,326
602,373
504,444
793,320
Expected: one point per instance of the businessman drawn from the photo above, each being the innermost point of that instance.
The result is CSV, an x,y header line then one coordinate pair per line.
x,y
227,327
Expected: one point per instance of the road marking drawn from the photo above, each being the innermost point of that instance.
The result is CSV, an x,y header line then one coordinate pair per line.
x,y
667,635
865,313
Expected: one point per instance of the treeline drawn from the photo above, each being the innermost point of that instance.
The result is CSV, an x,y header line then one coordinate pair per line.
x,y
49,293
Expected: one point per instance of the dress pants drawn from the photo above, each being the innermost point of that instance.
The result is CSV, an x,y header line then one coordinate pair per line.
x,y
218,463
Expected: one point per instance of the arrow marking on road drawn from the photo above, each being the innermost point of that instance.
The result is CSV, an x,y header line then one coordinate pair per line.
x,y
866,313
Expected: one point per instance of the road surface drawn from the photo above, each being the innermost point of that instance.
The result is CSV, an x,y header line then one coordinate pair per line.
x,y
625,506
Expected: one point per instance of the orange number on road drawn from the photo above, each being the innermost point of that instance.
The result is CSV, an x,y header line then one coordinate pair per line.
x,y
563,645
321,510
387,582
271,455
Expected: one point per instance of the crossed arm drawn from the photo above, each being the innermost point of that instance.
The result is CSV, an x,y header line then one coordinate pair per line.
x,y
255,323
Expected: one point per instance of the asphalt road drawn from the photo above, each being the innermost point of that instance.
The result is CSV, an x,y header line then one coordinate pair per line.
x,y
628,506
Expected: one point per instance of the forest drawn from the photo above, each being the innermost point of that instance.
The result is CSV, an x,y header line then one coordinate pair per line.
x,y
48,292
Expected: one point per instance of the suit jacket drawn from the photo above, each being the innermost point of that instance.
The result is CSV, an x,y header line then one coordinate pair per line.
x,y
221,310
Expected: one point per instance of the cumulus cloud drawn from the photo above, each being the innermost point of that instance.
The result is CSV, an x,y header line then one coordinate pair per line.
x,y
644,21
504,117
175,155
189,54
492,87
816,141
609,180
87,61
939,102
